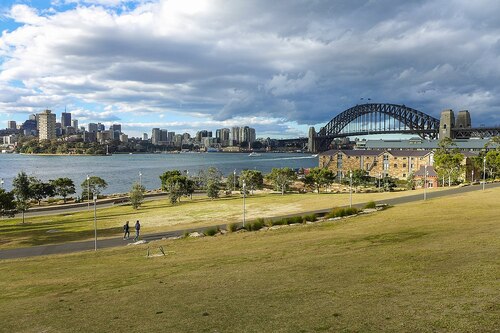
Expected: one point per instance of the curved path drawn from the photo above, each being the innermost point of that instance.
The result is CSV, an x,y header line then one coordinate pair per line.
x,y
116,242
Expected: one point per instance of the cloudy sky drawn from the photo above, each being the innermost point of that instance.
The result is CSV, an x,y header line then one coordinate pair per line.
x,y
279,66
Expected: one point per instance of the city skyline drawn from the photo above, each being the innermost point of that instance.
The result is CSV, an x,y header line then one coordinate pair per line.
x,y
280,68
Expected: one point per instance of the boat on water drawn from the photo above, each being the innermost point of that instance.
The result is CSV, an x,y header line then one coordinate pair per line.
x,y
315,155
253,154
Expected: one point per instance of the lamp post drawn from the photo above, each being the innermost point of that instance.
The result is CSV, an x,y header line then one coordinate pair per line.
x,y
234,180
484,171
425,182
88,192
350,188
140,178
244,196
472,176
379,178
95,222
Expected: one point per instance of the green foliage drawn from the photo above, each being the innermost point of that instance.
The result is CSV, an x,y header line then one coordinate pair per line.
x,y
310,217
211,181
7,203
371,205
232,182
136,195
40,190
255,225
63,187
95,184
319,177
176,185
22,192
281,178
211,231
233,227
341,212
253,180
448,162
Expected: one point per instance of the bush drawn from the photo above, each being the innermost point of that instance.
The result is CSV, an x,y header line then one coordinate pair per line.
x,y
310,218
211,231
278,222
371,204
341,212
233,227
255,225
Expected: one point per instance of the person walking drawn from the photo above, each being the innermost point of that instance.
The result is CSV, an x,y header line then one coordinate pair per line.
x,y
137,230
126,231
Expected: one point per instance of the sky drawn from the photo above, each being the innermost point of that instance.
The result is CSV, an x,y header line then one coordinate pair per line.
x,y
278,66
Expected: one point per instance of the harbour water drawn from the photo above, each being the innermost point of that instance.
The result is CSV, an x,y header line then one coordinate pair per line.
x,y
120,171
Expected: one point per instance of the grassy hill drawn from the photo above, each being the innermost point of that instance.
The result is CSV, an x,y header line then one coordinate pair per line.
x,y
420,267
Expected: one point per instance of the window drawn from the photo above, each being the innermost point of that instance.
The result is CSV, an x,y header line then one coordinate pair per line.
x,y
404,175
404,165
395,165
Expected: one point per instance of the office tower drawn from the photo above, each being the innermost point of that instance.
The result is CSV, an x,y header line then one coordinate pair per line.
x,y
145,136
46,125
65,119
100,127
116,128
155,136
11,124
235,135
92,127
74,123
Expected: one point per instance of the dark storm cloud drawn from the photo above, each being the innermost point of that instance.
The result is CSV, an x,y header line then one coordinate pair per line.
x,y
297,61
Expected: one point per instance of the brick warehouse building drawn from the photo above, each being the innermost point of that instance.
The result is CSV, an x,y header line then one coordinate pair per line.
x,y
380,163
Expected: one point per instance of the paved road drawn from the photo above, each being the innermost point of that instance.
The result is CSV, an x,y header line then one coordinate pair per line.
x,y
116,242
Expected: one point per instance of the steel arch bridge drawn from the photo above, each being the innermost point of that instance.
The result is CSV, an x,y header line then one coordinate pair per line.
x,y
377,118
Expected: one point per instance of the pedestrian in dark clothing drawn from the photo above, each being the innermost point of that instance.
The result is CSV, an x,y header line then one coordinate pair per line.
x,y
126,231
137,230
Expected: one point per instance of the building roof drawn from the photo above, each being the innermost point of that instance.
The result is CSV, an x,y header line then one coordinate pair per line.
x,y
430,171
377,152
421,144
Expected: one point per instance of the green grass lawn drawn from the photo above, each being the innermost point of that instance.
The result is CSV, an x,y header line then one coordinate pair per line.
x,y
160,215
420,267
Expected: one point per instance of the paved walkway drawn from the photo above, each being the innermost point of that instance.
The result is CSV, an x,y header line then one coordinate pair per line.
x,y
116,242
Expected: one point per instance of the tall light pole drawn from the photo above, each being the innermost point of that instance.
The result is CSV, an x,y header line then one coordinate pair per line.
x,y
379,178
140,178
244,196
234,180
95,222
350,188
472,176
425,182
484,171
88,192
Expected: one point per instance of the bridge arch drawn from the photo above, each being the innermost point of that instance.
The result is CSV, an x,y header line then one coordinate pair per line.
x,y
409,121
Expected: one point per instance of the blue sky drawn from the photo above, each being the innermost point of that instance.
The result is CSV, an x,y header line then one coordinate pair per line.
x,y
278,66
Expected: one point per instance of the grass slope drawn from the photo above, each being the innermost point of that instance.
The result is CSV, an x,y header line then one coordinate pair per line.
x,y
159,215
421,267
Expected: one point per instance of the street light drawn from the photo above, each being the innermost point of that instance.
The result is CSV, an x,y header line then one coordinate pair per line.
x,y
140,178
425,182
350,188
95,222
484,171
379,178
244,196
88,192
234,180
472,176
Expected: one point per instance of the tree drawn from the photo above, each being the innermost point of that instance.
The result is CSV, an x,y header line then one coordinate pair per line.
x,y
232,182
176,185
211,181
167,179
40,190
493,162
95,184
252,178
7,203
63,187
136,195
448,164
281,178
359,177
319,177
22,192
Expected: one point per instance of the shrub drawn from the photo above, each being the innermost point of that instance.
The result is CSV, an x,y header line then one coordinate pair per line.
x,y
211,231
278,222
293,220
371,204
233,227
310,218
341,212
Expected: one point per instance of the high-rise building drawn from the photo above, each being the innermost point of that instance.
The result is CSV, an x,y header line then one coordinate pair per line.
x,y
92,127
155,136
46,125
145,136
222,135
116,128
33,117
74,123
170,136
11,124
235,135
65,119
247,134
100,127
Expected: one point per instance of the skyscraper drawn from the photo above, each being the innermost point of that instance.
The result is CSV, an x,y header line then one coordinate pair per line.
x,y
65,119
11,124
46,125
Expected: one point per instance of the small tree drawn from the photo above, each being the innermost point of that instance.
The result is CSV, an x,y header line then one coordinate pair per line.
x,y
282,178
136,195
7,203
253,179
319,177
40,190
22,192
211,180
96,185
63,187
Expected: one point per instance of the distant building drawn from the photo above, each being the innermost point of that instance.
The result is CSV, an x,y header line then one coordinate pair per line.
x,y
100,127
46,125
145,136
65,119
235,135
222,135
11,124
92,128
155,136
123,138
74,123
